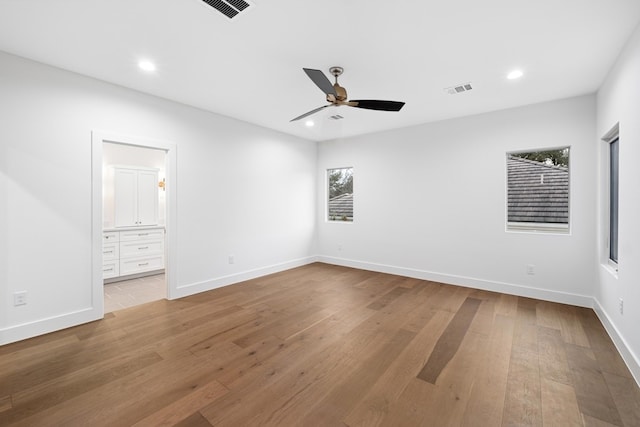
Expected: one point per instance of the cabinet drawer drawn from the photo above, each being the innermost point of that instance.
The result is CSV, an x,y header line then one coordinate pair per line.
x,y
149,234
140,248
110,236
110,269
110,251
142,264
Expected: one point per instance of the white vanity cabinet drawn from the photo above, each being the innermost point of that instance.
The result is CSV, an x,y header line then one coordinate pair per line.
x,y
110,254
135,192
134,251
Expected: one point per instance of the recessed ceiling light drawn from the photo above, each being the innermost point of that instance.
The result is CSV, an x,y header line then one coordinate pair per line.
x,y
146,65
309,123
515,74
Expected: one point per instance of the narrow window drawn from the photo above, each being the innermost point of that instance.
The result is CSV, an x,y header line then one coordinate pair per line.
x,y
340,192
538,190
613,200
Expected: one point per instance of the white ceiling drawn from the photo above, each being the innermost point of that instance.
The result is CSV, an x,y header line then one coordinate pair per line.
x,y
250,68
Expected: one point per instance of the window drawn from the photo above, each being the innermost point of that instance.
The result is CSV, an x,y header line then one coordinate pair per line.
x,y
340,200
538,190
613,200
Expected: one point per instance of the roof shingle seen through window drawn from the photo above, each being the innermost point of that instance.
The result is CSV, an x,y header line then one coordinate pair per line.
x,y
537,192
341,207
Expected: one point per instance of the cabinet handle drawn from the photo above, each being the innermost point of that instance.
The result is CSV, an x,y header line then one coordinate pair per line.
x,y
143,234
144,247
144,263
107,252
108,269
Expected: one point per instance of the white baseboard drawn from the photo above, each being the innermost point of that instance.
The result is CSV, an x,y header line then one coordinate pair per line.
x,y
488,285
49,324
52,324
207,285
629,357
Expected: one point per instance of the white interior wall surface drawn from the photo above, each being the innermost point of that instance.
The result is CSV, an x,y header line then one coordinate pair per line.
x,y
618,103
430,202
240,190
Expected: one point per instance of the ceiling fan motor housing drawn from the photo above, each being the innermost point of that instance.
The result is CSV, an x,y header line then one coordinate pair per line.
x,y
341,93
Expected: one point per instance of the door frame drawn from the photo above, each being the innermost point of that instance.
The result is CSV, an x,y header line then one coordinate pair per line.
x,y
98,138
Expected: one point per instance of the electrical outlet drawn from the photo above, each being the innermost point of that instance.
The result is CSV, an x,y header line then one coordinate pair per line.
x,y
20,298
531,269
232,259
621,306
340,247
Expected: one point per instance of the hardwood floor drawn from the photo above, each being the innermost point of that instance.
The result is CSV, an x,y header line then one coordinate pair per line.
x,y
324,345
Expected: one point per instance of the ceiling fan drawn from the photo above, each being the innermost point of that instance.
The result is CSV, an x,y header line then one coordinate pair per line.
x,y
337,95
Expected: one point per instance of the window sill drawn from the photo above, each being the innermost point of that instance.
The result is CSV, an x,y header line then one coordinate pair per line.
x,y
612,270
534,228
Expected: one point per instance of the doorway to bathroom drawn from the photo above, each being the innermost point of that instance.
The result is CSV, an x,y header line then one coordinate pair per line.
x,y
132,222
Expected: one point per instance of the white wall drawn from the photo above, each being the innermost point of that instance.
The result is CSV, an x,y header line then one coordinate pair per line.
x,y
429,202
241,190
619,102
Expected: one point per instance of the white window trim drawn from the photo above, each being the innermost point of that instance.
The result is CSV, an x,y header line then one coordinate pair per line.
x,y
326,196
612,135
536,227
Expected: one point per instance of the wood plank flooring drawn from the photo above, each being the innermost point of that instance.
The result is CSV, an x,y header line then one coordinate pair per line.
x,y
323,345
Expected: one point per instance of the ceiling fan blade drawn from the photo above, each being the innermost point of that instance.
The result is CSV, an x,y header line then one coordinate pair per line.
x,y
310,112
321,81
372,104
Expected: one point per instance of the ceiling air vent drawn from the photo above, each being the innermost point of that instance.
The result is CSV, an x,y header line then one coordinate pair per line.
x,y
464,87
229,8
336,117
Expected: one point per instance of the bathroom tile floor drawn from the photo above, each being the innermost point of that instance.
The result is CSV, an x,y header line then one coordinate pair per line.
x,y
119,295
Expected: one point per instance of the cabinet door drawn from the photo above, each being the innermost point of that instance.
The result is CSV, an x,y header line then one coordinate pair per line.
x,y
110,269
147,198
110,251
126,197
141,248
146,234
141,264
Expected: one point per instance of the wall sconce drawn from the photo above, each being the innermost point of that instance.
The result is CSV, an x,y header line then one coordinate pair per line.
x,y
161,184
